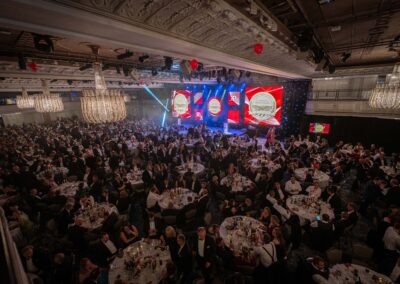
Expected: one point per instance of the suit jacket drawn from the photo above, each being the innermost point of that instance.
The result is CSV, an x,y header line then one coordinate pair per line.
x,y
335,203
101,254
147,178
64,219
209,249
184,259
158,222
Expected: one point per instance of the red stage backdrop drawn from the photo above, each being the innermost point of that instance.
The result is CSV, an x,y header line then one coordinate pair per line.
x,y
198,114
198,98
233,98
233,116
181,104
263,105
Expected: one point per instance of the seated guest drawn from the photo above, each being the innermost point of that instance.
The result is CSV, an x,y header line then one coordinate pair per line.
x,y
321,234
204,249
61,270
194,184
333,199
393,195
319,270
184,260
279,195
171,242
226,256
104,251
265,216
153,226
292,186
337,174
35,262
128,235
247,207
123,202
348,218
65,219
148,176
391,243
89,272
152,199
314,190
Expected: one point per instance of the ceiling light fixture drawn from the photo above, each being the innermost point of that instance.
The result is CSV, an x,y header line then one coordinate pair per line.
x,y
25,101
386,95
47,102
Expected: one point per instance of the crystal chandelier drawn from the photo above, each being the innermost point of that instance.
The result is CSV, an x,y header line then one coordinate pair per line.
x,y
47,102
101,105
387,95
25,101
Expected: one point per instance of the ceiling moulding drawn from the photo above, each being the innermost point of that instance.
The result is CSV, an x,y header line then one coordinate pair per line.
x,y
211,31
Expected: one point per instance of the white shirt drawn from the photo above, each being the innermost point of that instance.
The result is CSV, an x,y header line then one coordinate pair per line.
x,y
266,254
271,199
110,246
314,192
200,247
152,199
293,188
30,266
391,239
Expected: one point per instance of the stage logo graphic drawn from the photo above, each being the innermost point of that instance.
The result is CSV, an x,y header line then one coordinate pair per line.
x,y
214,106
181,104
263,105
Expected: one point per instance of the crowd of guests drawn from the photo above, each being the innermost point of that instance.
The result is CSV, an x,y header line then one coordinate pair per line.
x,y
56,248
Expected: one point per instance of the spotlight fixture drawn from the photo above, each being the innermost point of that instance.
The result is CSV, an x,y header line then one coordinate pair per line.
x,y
305,40
43,43
69,82
248,74
125,55
118,69
344,56
167,63
154,72
22,62
331,69
143,58
126,70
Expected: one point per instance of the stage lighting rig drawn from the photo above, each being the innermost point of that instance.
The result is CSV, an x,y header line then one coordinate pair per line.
x,y
143,58
43,43
125,55
85,67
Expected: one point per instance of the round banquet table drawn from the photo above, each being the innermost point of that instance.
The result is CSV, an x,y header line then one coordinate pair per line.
x,y
135,179
237,182
242,234
258,163
390,171
196,168
68,189
177,197
53,170
307,208
93,217
142,262
322,177
349,273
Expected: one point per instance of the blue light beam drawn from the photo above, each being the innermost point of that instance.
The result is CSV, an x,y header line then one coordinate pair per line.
x,y
155,97
165,114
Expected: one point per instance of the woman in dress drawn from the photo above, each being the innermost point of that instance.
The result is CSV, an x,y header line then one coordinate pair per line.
x,y
128,235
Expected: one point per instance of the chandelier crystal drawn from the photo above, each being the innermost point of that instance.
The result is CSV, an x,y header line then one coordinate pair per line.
x,y
47,102
102,105
25,101
387,95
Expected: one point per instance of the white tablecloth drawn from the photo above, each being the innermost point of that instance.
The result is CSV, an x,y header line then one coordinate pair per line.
x,y
260,162
142,263
68,189
308,209
242,233
177,197
322,177
93,217
196,168
53,171
346,274
390,171
237,182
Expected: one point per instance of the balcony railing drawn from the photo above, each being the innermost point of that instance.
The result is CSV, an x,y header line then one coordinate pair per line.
x,y
338,95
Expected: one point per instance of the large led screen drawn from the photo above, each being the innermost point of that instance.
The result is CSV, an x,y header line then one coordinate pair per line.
x,y
214,106
263,105
181,104
321,128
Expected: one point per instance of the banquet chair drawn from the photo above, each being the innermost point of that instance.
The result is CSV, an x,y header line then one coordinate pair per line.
x,y
334,256
190,215
170,220
362,254
240,197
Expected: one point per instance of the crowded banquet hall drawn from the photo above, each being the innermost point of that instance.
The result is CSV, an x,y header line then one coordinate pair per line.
x,y
199,141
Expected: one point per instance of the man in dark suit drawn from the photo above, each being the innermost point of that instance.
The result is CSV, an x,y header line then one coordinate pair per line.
x,y
349,218
321,236
333,199
148,176
184,260
393,195
104,251
95,187
65,219
204,249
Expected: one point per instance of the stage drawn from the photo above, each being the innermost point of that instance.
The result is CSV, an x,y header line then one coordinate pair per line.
x,y
230,132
